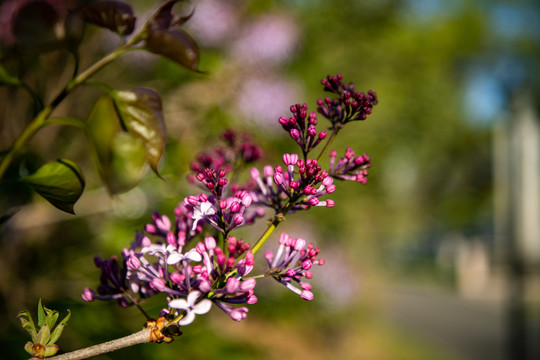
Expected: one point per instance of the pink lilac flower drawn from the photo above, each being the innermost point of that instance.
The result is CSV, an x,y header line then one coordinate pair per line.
x,y
292,262
349,167
299,187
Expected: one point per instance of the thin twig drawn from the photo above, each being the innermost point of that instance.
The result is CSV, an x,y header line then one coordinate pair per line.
x,y
140,337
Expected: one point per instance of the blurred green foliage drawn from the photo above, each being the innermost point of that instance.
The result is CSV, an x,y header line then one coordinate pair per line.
x,y
432,175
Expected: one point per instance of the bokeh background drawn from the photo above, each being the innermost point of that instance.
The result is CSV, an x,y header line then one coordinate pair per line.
x,y
437,257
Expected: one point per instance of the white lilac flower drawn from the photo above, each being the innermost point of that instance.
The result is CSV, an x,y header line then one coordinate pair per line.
x,y
191,307
175,257
201,211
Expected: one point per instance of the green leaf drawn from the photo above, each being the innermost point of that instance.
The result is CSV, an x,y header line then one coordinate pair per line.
x,y
141,114
29,347
51,350
37,26
175,45
60,182
120,156
41,314
43,335
28,323
116,16
50,319
128,163
58,331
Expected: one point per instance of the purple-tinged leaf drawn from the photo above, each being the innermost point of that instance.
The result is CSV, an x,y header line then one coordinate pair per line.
x,y
164,18
175,45
141,114
116,16
37,27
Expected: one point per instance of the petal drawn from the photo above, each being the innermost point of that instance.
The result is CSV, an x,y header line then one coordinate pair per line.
x,y
192,297
202,307
174,258
193,255
207,208
187,319
179,304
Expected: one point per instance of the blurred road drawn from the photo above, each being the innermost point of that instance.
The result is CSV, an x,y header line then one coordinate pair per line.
x,y
465,329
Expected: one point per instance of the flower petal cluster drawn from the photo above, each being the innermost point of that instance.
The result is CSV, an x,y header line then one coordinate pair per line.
x,y
291,264
114,283
350,105
298,187
181,259
302,128
237,147
192,279
349,167
225,214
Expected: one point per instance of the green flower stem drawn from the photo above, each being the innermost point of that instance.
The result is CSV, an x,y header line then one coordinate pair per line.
x,y
279,218
328,143
41,118
140,337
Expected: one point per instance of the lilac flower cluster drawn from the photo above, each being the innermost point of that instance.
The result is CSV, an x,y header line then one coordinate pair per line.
x,y
196,262
298,187
302,128
238,148
350,167
350,105
301,256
